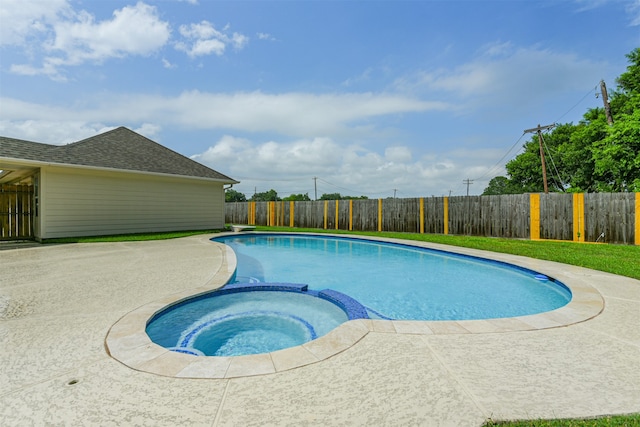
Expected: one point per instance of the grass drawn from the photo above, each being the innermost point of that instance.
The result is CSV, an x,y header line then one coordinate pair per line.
x,y
615,259
610,421
130,237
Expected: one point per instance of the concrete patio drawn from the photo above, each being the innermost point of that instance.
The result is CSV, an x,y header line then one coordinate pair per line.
x,y
59,302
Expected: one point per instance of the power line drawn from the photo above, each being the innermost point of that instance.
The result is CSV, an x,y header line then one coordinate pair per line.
x,y
553,163
539,130
578,103
499,162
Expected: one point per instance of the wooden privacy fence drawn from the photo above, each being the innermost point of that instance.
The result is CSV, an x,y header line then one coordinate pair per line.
x,y
592,217
16,212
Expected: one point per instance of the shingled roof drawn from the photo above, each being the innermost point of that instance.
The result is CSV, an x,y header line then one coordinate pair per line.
x,y
119,148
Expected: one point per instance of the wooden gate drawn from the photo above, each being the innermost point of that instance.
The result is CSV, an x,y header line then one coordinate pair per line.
x,y
16,212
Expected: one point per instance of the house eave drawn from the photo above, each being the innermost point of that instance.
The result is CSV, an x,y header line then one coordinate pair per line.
x,y
37,163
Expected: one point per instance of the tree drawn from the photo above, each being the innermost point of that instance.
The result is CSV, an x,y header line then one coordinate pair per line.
x,y
232,195
592,155
629,81
331,196
267,196
617,157
298,197
525,173
499,185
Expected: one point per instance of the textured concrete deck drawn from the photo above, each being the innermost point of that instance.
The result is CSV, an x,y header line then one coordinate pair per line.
x,y
58,304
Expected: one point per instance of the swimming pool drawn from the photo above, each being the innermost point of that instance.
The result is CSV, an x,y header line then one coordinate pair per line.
x,y
397,282
243,319
128,342
378,280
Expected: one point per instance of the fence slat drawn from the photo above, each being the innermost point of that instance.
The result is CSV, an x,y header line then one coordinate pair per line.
x,y
16,212
507,216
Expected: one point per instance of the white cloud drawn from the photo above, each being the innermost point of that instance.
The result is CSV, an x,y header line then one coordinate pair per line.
x,y
51,132
149,130
289,167
502,74
291,114
134,30
633,9
65,132
322,128
398,154
167,64
203,39
295,114
69,38
265,36
22,20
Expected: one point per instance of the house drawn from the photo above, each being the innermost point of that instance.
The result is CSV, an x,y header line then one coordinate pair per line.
x,y
118,182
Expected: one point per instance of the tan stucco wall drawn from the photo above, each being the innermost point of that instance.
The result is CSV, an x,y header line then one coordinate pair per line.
x,y
79,202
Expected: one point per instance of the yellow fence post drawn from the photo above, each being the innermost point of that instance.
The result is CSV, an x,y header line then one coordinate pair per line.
x,y
251,213
336,214
637,233
446,215
379,214
534,216
326,210
578,217
292,207
351,214
272,213
421,215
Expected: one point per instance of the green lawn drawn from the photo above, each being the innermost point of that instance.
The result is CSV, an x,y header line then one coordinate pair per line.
x,y
611,421
130,237
616,259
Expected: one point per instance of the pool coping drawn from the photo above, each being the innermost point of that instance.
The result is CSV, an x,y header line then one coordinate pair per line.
x,y
128,342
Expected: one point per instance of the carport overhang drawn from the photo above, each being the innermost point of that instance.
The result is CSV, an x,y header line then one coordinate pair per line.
x,y
12,172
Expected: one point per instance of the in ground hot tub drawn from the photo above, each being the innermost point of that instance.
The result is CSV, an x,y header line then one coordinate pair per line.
x,y
243,319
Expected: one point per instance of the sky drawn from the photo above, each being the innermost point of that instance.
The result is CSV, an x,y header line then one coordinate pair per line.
x,y
374,98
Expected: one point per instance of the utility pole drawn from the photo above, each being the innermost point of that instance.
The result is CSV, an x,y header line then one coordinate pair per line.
x,y
539,130
315,187
605,99
467,182
394,193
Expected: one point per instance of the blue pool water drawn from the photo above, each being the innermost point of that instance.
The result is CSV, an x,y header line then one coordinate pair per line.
x,y
244,323
398,281
340,279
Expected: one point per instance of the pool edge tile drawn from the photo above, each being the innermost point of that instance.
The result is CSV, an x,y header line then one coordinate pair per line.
x,y
250,365
168,364
447,327
292,357
208,367
412,327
